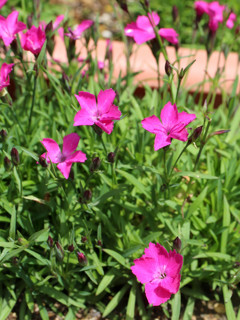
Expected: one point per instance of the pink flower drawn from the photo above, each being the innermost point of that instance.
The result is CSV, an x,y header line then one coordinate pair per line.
x,y
230,21
142,30
4,75
65,158
201,7
215,12
102,113
9,27
33,40
2,3
160,271
57,22
172,126
77,33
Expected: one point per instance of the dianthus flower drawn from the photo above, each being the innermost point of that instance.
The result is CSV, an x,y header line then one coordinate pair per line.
x,y
2,3
215,12
102,113
231,19
172,126
33,40
201,7
77,32
142,30
4,75
159,270
68,155
9,27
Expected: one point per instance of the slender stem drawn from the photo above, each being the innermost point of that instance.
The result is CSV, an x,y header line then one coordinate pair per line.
x,y
185,147
178,87
104,147
33,101
158,72
202,145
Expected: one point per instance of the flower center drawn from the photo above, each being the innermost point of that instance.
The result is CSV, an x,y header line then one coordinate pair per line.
x,y
162,275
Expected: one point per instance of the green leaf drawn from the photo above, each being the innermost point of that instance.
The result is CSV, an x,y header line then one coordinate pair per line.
x,y
42,233
228,303
41,54
115,301
105,282
117,257
196,175
225,223
197,203
189,309
214,255
30,153
12,230
176,306
131,303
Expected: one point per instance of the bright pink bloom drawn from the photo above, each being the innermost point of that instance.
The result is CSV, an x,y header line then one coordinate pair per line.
x,y
160,271
33,40
100,65
77,33
215,12
9,27
201,7
65,158
172,126
230,21
142,30
4,75
102,113
2,3
57,22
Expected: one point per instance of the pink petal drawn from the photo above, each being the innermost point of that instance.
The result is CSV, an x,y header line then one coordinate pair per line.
x,y
155,294
83,118
70,143
113,114
2,3
87,101
179,135
141,36
169,115
152,124
186,118
4,72
143,22
78,156
157,252
58,20
170,284
144,269
161,140
175,263
13,25
130,29
169,34
53,150
65,168
106,126
105,100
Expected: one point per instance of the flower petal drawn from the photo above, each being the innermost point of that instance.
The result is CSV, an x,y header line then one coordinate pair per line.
x,y
87,101
175,263
78,156
105,101
83,118
65,168
113,114
169,34
106,126
186,118
70,143
144,269
53,150
161,140
152,124
155,294
181,135
169,115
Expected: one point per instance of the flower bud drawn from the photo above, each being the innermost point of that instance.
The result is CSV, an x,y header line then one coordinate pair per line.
x,y
49,27
196,134
175,13
123,5
96,162
7,163
71,248
177,244
82,259
98,130
111,157
42,161
15,156
99,243
87,195
50,241
168,68
59,251
3,135
84,239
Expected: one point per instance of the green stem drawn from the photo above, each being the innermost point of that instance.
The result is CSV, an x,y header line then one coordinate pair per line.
x,y
104,147
33,101
185,147
203,142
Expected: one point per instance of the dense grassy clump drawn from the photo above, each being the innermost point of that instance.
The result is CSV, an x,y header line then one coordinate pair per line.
x,y
123,197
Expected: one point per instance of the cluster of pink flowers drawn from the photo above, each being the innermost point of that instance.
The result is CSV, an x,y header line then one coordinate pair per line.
x,y
215,12
142,30
4,75
159,270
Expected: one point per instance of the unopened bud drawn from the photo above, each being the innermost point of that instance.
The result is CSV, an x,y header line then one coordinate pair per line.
x,y
84,239
82,259
7,163
146,2
196,134
96,162
217,133
87,195
175,13
168,68
237,30
50,241
42,161
177,244
15,156
3,135
123,5
111,157
98,130
30,21
59,251
71,248
49,27
99,243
